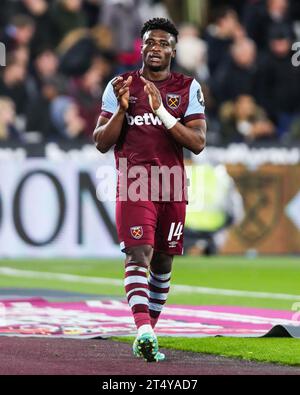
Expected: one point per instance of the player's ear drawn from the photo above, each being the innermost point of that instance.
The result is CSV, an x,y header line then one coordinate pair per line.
x,y
173,53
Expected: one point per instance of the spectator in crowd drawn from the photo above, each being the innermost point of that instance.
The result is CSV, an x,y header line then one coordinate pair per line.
x,y
21,54
261,16
19,32
8,121
79,47
87,89
149,9
46,39
103,38
280,79
191,53
237,74
39,117
45,66
64,114
92,10
75,52
237,5
13,84
220,35
39,11
67,16
124,20
243,120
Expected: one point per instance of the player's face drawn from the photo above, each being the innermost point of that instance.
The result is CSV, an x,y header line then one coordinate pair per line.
x,y
158,49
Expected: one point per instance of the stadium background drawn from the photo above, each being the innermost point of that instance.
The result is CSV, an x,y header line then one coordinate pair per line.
x,y
59,57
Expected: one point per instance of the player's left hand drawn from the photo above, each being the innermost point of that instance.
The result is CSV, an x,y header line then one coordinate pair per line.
x,y
153,94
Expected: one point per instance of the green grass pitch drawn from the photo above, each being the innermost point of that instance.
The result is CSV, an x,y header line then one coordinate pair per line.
x,y
265,274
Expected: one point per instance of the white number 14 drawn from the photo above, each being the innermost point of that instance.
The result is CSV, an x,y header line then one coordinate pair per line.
x,y
178,232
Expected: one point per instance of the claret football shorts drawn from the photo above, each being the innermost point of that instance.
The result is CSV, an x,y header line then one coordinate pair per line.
x,y
159,224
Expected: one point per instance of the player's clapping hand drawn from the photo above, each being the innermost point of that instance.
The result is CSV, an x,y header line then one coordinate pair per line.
x,y
121,90
153,94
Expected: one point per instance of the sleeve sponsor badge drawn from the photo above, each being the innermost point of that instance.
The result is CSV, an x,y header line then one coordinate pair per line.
x,y
200,97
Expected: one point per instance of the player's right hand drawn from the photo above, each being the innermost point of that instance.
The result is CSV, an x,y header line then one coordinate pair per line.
x,y
121,90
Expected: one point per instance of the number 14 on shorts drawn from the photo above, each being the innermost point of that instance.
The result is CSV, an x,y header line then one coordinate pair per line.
x,y
175,231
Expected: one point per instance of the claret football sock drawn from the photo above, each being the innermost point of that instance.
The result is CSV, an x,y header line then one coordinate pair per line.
x,y
137,291
159,285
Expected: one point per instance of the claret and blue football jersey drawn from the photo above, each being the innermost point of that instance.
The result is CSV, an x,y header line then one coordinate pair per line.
x,y
144,140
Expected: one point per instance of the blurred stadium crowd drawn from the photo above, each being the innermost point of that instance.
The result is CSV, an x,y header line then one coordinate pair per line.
x,y
62,53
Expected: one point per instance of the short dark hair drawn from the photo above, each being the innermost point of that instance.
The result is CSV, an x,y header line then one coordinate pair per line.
x,y
160,24
280,31
22,20
222,12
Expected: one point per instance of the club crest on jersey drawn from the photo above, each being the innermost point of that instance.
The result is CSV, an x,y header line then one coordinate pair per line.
x,y
173,101
136,232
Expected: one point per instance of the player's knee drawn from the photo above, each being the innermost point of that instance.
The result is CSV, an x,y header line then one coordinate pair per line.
x,y
140,254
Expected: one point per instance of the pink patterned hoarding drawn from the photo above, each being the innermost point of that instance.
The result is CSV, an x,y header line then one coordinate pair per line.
x,y
89,319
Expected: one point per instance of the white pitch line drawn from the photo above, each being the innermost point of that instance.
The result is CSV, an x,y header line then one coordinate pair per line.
x,y
175,289
71,278
233,292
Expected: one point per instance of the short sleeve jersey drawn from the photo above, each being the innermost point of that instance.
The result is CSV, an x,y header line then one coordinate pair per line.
x,y
144,140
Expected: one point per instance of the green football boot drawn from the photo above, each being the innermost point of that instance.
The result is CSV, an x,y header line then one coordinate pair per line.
x,y
159,356
136,349
146,346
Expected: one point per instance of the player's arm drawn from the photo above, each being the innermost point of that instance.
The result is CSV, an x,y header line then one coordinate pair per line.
x,y
115,103
192,135
108,130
